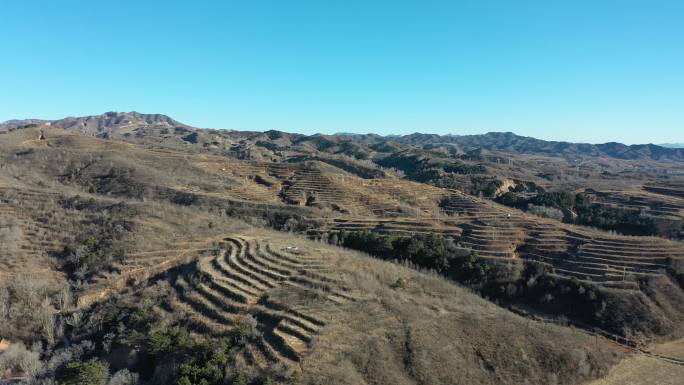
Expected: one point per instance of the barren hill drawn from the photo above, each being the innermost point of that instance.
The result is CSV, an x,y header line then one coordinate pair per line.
x,y
107,123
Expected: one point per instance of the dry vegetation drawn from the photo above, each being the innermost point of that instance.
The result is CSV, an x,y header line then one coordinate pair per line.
x,y
143,258
643,370
426,330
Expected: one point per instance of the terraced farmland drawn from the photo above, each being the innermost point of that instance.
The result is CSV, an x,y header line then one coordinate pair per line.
x,y
661,207
612,261
649,203
35,231
220,290
307,186
671,189
497,232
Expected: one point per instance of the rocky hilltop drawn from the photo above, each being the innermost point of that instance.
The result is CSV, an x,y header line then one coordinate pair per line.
x,y
107,123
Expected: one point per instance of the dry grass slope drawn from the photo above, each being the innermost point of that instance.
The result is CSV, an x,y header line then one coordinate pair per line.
x,y
335,315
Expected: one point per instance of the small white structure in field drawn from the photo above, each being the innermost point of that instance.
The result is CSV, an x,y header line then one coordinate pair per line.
x,y
4,345
292,248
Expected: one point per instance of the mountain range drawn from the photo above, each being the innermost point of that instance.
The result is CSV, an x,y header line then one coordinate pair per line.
x,y
672,145
127,122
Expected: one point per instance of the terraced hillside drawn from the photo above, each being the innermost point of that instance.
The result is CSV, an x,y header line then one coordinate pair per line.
x,y
112,216
306,184
496,232
332,316
237,282
343,201
32,232
672,189
648,203
610,260
663,212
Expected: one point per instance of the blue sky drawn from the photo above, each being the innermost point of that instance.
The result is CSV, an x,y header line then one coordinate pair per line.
x,y
578,70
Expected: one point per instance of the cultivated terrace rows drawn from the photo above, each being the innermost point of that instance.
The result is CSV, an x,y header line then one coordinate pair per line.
x,y
652,204
490,230
671,189
222,289
496,232
41,227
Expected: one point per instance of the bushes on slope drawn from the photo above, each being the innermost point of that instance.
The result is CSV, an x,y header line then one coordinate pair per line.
x,y
429,251
589,213
102,240
621,312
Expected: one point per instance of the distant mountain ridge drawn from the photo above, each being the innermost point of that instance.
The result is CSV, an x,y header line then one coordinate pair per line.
x,y
127,122
672,145
510,142
109,122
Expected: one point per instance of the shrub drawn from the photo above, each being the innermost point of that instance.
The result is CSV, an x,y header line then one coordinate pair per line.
x,y
24,308
427,251
245,330
545,212
10,237
102,241
370,242
207,365
191,138
400,283
123,377
511,199
92,372
561,199
469,270
18,358
173,340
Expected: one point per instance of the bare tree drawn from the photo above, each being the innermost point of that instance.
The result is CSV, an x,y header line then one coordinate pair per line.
x,y
47,321
64,298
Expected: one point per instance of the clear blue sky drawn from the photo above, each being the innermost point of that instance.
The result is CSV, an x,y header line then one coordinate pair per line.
x,y
594,70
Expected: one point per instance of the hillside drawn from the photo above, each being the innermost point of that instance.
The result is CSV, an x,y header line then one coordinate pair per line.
x,y
105,124
144,222
509,142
